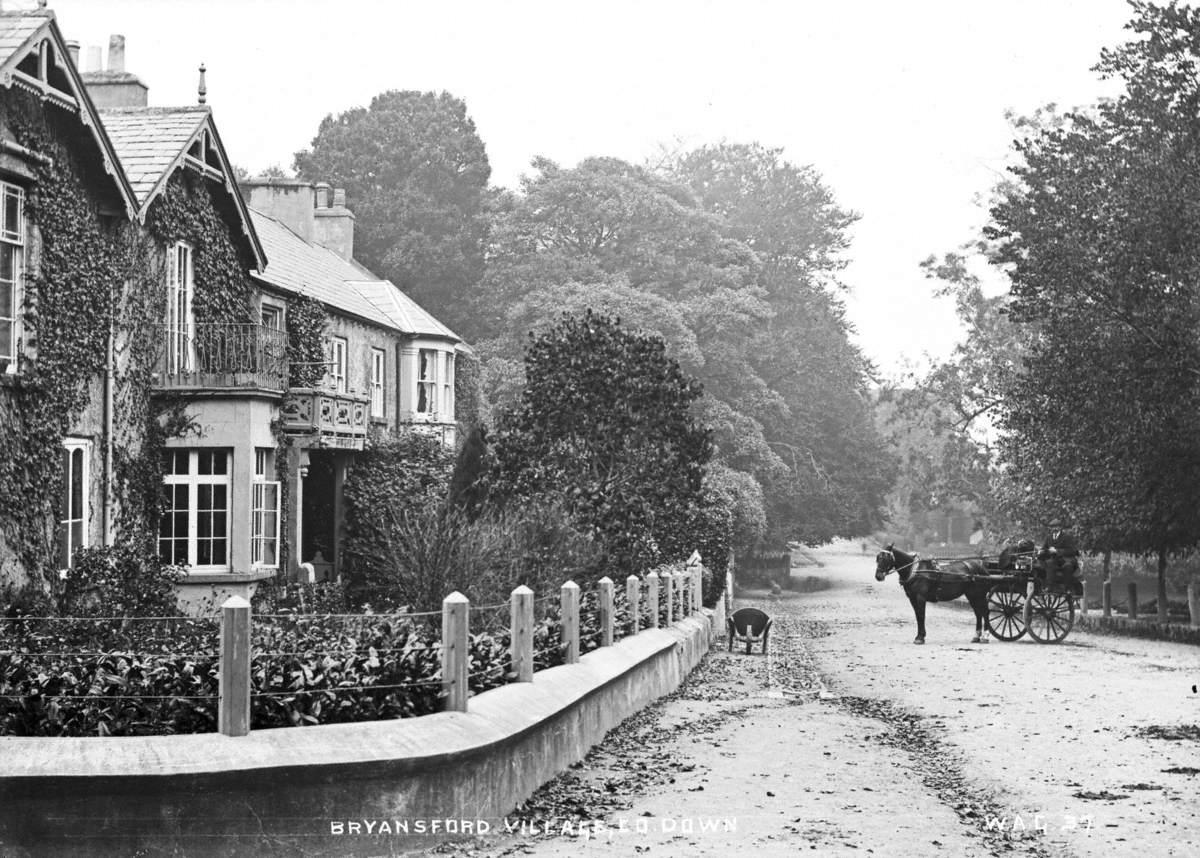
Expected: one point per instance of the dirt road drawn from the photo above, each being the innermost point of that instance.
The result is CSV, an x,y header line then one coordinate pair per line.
x,y
850,740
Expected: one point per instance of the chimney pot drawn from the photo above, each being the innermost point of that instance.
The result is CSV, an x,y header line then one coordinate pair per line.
x,y
73,52
322,195
339,198
94,61
116,53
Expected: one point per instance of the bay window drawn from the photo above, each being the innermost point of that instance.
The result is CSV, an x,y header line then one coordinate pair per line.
x,y
427,381
264,502
194,525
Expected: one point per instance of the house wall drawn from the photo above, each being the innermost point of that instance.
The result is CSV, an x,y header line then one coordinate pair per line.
x,y
360,340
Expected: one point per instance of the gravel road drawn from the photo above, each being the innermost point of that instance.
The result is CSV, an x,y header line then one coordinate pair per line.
x,y
850,740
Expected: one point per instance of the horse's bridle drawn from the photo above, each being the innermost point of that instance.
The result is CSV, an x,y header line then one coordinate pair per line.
x,y
896,568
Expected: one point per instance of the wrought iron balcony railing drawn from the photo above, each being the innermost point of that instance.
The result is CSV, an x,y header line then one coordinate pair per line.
x,y
224,356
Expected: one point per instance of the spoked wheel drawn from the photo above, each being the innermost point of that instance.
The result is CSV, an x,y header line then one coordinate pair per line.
x,y
1051,616
1006,614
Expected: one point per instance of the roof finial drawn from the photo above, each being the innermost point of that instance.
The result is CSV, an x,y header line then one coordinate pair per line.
x,y
203,91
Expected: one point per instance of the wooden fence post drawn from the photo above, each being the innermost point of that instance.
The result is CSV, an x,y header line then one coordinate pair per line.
x,y
1133,604
633,594
605,597
1083,606
1194,603
233,681
652,601
1106,598
668,579
569,601
698,591
520,649
456,650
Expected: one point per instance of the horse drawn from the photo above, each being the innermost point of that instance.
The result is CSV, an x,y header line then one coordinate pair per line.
x,y
929,583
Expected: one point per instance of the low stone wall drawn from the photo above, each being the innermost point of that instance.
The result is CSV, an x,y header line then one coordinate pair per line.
x,y
1141,628
320,790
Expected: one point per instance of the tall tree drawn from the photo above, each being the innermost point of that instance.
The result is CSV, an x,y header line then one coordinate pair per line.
x,y
1098,235
416,174
817,417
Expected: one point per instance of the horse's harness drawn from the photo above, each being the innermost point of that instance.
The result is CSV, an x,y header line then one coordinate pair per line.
x,y
896,568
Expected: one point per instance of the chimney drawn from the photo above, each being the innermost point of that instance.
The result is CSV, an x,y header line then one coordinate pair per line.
x,y
113,87
73,51
94,59
116,53
334,226
289,201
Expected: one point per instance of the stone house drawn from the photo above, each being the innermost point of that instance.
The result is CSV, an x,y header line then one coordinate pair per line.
x,y
257,434
58,166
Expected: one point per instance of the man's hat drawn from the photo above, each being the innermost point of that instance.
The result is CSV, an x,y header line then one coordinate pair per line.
x,y
1056,522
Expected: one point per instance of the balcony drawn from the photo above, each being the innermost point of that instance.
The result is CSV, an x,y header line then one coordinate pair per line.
x,y
224,357
331,419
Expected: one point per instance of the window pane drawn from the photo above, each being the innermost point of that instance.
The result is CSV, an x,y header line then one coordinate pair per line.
x,y
206,463
76,535
12,214
76,508
6,339
422,399
8,270
220,462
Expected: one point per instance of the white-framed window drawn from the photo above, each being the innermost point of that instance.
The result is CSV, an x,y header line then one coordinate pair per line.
x,y
337,364
181,323
75,509
272,316
378,380
12,270
448,388
194,525
427,381
264,511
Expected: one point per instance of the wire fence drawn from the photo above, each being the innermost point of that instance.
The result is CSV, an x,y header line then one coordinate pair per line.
x,y
144,675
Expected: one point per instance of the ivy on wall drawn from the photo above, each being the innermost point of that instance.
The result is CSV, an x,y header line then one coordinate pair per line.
x,y
70,294
306,322
187,211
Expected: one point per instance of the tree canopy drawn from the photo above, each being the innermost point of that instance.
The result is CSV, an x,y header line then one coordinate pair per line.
x,y
416,174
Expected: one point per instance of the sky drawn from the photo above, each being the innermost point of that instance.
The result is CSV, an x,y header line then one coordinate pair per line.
x,y
899,105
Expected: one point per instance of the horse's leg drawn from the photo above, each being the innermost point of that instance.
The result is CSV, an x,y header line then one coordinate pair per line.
x,y
918,603
978,602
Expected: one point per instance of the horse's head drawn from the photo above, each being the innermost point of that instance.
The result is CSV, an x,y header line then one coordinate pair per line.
x,y
885,562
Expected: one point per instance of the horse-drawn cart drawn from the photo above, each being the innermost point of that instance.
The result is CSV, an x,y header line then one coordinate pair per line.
x,y
1028,597
1014,593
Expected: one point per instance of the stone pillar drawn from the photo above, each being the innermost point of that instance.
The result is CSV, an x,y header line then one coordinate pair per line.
x,y
652,601
605,604
633,599
293,524
569,617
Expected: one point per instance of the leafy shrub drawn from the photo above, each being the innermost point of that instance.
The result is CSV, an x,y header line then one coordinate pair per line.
x,y
119,581
276,596
393,477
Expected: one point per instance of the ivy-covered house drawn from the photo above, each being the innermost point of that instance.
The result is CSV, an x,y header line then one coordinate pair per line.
x,y
177,369
66,238
279,353
383,361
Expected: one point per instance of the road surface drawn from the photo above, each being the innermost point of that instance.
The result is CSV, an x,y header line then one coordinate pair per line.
x,y
850,740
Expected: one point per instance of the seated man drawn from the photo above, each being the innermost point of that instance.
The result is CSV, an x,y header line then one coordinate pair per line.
x,y
1060,552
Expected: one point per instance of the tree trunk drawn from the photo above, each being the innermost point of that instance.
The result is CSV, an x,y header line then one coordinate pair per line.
x,y
1162,586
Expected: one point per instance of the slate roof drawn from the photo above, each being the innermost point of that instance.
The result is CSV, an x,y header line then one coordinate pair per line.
x,y
148,141
15,30
19,31
298,266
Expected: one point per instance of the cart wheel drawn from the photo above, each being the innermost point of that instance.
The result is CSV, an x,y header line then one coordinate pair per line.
x,y
1052,616
1005,614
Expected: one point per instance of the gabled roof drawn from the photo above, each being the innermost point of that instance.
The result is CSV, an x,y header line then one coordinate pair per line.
x,y
50,74
303,268
153,142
